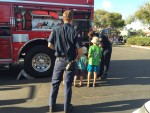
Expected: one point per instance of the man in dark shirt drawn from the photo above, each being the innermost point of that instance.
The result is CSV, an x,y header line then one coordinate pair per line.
x,y
65,51
106,55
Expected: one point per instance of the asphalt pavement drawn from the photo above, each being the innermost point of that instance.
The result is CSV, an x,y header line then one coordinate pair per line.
x,y
126,88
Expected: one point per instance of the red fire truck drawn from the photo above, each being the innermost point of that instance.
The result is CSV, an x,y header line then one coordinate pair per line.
x,y
25,26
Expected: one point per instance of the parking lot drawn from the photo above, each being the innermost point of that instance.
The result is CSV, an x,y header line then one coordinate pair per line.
x,y
126,88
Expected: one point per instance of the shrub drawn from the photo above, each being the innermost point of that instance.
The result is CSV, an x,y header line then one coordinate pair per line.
x,y
141,41
140,33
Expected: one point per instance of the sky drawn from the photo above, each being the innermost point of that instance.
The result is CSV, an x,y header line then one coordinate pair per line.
x,y
124,7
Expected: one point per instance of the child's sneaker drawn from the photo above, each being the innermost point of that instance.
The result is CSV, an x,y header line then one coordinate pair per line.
x,y
94,85
80,84
88,85
74,85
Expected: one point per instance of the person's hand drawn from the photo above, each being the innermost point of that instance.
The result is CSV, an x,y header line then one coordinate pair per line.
x,y
100,39
101,44
79,53
89,55
50,45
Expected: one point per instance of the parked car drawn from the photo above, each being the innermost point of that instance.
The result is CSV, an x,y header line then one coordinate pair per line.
x,y
144,109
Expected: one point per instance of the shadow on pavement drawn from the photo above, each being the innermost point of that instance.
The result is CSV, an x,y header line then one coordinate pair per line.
x,y
129,72
25,81
115,106
31,95
43,109
122,72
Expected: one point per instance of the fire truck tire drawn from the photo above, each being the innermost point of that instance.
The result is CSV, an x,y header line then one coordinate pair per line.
x,y
39,62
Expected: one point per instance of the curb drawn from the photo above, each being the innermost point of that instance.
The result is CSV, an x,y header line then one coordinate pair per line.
x,y
140,47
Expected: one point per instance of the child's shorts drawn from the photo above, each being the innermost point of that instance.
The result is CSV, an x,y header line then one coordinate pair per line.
x,y
92,68
79,72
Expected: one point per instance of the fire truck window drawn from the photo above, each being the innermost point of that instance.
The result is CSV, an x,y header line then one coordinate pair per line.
x,y
4,31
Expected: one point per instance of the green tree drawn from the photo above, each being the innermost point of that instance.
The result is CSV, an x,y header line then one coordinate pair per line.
x,y
103,18
99,19
144,13
130,19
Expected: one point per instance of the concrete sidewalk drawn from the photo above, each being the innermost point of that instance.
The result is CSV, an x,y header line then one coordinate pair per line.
x,y
31,96
144,47
136,46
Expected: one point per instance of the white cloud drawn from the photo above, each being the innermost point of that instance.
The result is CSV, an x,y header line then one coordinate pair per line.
x,y
107,5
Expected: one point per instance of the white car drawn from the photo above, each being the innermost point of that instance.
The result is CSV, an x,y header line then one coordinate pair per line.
x,y
144,109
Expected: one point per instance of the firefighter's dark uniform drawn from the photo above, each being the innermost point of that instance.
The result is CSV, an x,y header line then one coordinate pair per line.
x,y
72,42
106,55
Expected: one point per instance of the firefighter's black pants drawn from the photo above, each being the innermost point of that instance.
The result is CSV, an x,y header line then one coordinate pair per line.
x,y
105,61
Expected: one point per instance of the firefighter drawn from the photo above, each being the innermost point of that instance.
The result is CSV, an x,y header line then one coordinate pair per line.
x,y
72,45
106,56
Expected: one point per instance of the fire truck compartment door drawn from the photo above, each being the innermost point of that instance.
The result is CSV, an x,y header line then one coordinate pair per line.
x,y
5,13
5,43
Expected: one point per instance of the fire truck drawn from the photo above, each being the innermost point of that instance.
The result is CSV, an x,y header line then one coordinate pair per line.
x,y
25,26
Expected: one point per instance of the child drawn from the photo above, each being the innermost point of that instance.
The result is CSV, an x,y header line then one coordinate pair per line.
x,y
94,55
81,66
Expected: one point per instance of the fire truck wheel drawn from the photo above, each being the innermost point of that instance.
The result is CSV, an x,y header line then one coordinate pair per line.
x,y
39,62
